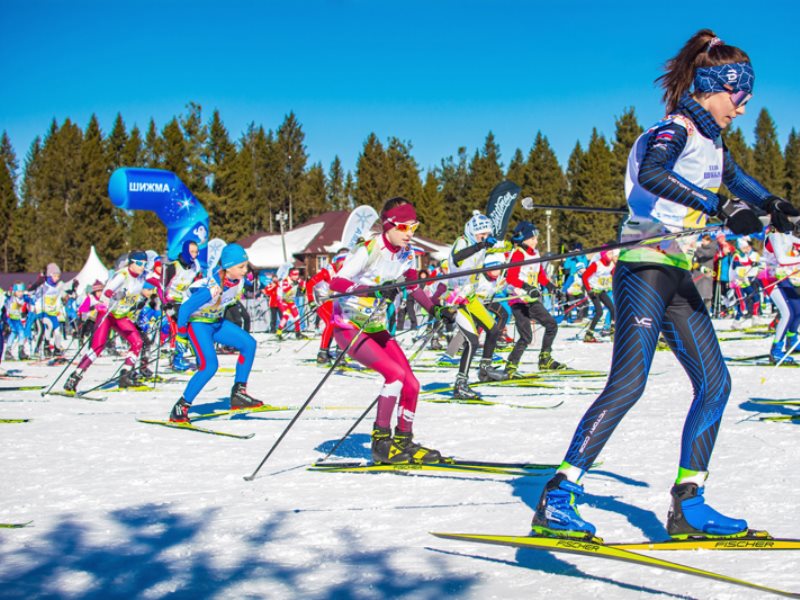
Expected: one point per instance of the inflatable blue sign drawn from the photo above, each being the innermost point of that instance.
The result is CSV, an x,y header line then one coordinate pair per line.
x,y
163,193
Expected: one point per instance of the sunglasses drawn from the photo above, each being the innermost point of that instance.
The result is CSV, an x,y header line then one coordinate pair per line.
x,y
740,98
404,227
140,263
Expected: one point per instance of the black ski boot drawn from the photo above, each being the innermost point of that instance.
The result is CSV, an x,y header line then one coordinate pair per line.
x,y
511,371
488,373
72,383
323,358
180,412
417,452
548,363
462,391
127,378
383,450
241,399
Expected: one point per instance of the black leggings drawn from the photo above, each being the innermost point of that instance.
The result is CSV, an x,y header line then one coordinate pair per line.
x,y
523,315
650,299
598,308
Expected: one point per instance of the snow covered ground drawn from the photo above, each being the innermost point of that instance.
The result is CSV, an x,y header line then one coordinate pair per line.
x,y
123,509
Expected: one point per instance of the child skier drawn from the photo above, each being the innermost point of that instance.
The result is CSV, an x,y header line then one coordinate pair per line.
x,y
201,321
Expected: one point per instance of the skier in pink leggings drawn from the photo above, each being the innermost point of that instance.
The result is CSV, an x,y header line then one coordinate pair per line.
x,y
384,259
117,303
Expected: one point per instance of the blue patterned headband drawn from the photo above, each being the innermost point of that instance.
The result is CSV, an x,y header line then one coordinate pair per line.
x,y
733,77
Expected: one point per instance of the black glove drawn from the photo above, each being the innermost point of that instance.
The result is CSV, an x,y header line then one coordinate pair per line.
x,y
561,296
531,291
388,295
779,211
738,217
445,313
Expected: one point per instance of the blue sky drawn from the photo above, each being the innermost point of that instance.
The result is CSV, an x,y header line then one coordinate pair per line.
x,y
439,74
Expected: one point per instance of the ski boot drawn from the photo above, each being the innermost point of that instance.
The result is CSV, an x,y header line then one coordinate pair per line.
x,y
128,378
557,514
590,338
298,335
22,354
179,362
180,412
418,452
145,371
72,383
9,355
690,517
462,391
488,373
789,344
778,355
279,335
510,371
241,399
323,358
548,363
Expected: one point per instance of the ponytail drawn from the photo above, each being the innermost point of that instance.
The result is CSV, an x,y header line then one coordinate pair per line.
x,y
704,49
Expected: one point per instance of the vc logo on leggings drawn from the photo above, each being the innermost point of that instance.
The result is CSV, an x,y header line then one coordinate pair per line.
x,y
645,322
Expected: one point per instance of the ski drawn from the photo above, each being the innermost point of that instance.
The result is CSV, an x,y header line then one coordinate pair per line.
x,y
22,388
78,395
600,550
190,427
755,357
744,543
482,402
761,363
238,411
787,402
14,420
14,525
451,465
781,418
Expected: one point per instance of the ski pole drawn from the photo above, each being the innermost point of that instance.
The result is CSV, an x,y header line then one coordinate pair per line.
x,y
425,341
529,204
314,393
67,366
653,239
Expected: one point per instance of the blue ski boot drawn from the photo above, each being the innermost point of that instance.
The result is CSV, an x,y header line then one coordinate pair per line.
x,y
690,516
179,363
556,514
778,355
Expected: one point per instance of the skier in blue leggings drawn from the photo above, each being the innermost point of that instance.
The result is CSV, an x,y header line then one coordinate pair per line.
x,y
201,321
674,172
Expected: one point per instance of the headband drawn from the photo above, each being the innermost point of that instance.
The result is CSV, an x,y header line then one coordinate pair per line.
x,y
403,213
732,77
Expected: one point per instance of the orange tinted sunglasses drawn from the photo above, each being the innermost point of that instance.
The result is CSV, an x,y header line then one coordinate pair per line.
x,y
404,227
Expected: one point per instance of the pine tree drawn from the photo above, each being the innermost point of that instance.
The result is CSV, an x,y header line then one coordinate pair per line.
x,y
373,185
94,219
312,194
9,157
591,177
25,223
176,151
738,148
8,210
350,190
431,210
627,132
485,172
335,192
402,170
133,154
546,184
195,134
153,147
454,178
792,161
768,165
293,157
116,143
